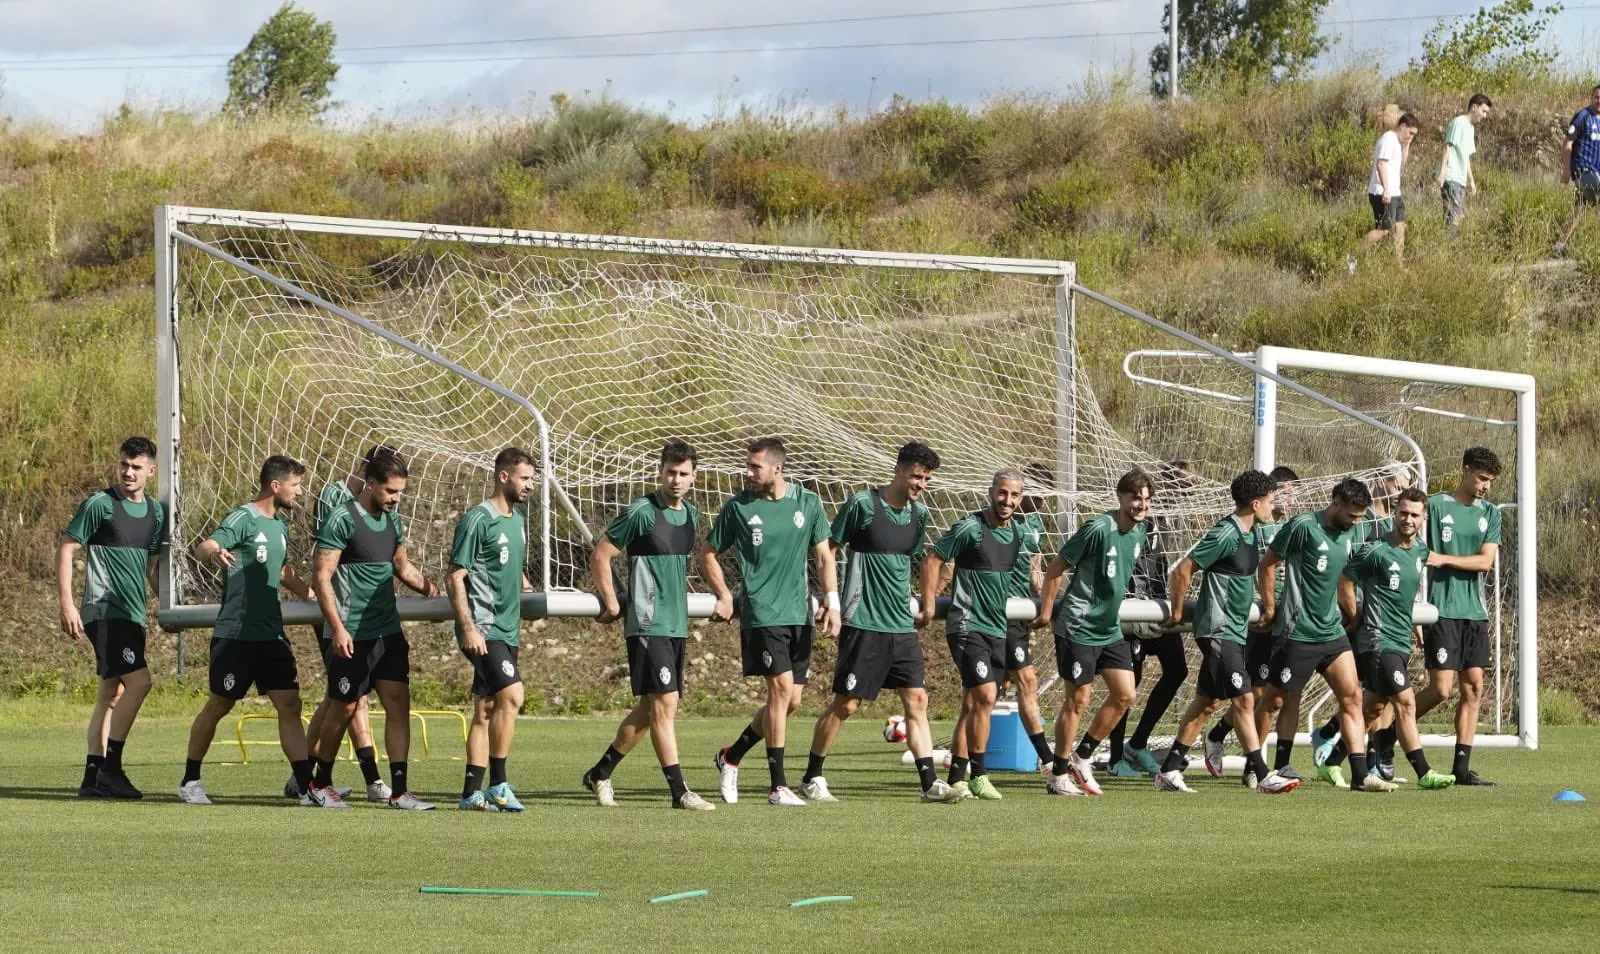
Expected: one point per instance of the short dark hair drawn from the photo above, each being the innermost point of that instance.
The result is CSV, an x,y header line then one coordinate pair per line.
x,y
383,466
676,452
1478,99
138,447
1412,493
1353,492
278,467
1283,474
770,446
1251,486
375,451
511,457
1481,458
1134,481
1409,119
917,453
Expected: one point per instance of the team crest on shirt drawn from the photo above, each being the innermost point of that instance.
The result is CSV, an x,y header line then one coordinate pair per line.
x,y
506,667
505,550
982,669
261,547
128,655
665,676
227,683
344,683
1399,678
1238,680
1442,655
799,519
850,682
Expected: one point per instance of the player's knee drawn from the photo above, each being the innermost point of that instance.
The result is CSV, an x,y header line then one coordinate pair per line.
x,y
511,696
136,682
983,695
1027,681
845,706
1120,696
663,707
915,702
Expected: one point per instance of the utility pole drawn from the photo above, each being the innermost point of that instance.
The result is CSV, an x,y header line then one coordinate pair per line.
x,y
1172,52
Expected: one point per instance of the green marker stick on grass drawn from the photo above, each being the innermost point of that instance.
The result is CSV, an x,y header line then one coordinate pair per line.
x,y
534,892
825,899
680,896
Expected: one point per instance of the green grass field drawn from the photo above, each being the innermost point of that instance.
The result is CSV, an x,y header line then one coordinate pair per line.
x,y
1502,868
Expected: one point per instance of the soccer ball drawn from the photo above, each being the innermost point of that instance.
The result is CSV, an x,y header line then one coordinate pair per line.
x,y
894,729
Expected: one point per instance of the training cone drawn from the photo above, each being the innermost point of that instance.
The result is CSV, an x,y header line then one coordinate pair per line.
x,y
1570,796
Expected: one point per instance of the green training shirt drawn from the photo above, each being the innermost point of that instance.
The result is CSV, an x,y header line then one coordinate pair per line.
x,y
119,537
771,540
877,576
658,565
1313,557
1227,556
1457,530
1102,557
332,497
250,609
1388,576
492,549
1031,525
363,584
1264,534
985,558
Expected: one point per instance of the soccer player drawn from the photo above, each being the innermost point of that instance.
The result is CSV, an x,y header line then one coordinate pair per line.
x,y
1463,539
1389,572
771,525
1227,556
878,648
1314,548
248,645
657,533
361,551
485,585
985,547
329,501
123,529
1088,628
1582,169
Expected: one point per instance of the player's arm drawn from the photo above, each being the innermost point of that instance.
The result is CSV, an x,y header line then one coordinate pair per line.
x,y
600,569
290,580
711,569
1566,157
455,585
1475,563
323,566
411,575
1264,586
828,573
930,582
1048,588
1178,589
214,554
71,620
1347,599
1036,572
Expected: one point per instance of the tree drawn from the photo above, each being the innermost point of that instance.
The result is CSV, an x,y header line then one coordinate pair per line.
x,y
1491,50
285,69
1239,42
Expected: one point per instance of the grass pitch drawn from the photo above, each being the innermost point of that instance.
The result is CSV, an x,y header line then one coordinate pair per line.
x,y
1227,869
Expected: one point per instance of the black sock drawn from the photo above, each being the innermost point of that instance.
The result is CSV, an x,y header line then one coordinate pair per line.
x,y
1175,757
1340,750
397,772
1419,762
1219,732
1386,739
813,767
323,777
114,754
608,763
368,757
1041,748
191,770
1115,740
674,774
775,767
1358,767
474,780
1060,765
1255,763
302,774
745,742
1462,764
1372,752
1330,728
976,761
91,769
925,773
1086,746
958,770
497,771
1285,751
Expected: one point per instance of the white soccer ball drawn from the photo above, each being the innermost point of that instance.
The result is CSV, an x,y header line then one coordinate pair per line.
x,y
894,729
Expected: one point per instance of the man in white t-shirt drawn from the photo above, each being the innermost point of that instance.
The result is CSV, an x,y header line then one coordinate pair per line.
x,y
1455,179
1383,189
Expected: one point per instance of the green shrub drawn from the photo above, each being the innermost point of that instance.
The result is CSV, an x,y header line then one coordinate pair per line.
x,y
608,205
1330,157
1562,708
943,140
1063,203
778,191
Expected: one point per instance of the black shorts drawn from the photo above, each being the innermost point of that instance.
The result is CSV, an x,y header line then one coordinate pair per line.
x,y
387,658
1224,674
1456,644
495,669
871,661
1258,647
236,663
979,658
774,650
1386,215
1294,662
118,646
1384,674
655,664
1078,664
1019,654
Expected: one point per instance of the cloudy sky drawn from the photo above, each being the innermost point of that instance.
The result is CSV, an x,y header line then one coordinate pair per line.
x,y
71,62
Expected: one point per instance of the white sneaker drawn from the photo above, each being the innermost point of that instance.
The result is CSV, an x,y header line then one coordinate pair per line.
x,y
783,795
410,803
728,783
1172,782
693,803
1062,785
817,790
1213,758
323,798
1044,769
378,791
1083,775
1254,784
939,791
190,793
604,796
1275,784
1375,783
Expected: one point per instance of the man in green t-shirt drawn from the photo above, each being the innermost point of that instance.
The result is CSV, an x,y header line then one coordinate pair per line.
x,y
1088,628
878,649
1455,180
486,582
361,551
771,526
1389,573
1314,548
248,645
1227,556
1463,540
657,533
122,528
985,548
